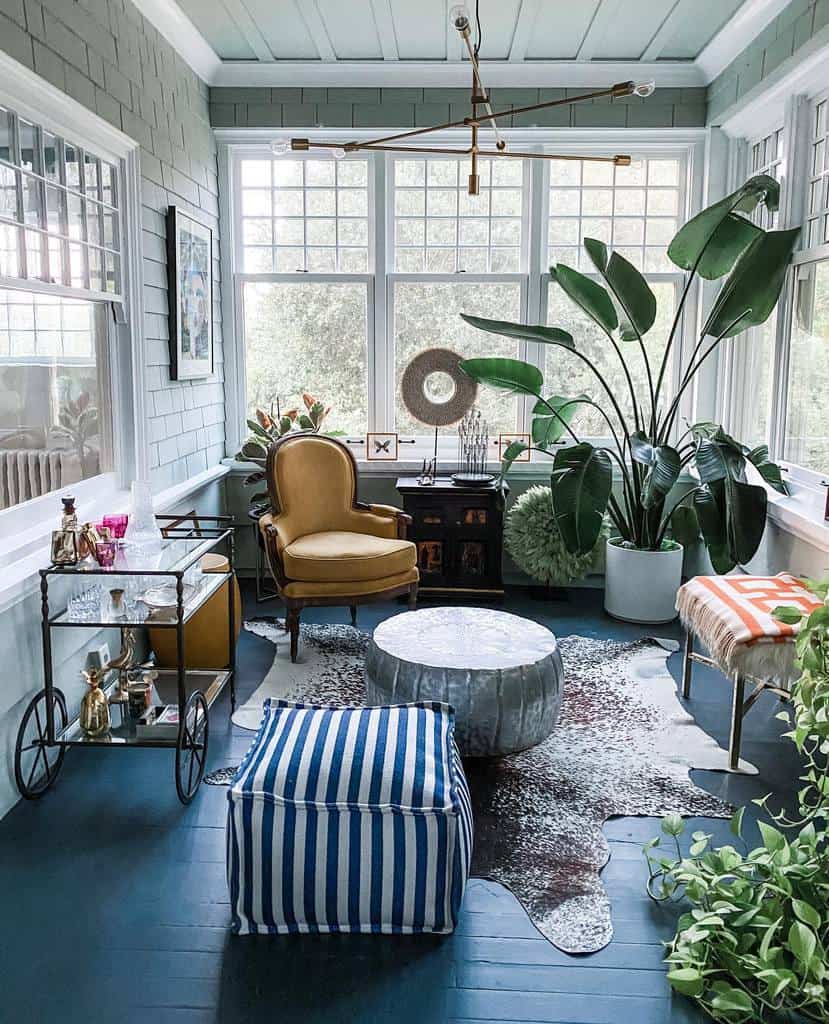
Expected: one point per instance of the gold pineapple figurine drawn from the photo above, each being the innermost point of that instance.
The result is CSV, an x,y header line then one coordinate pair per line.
x,y
94,719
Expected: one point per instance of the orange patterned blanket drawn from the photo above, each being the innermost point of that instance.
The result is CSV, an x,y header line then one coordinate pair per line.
x,y
732,616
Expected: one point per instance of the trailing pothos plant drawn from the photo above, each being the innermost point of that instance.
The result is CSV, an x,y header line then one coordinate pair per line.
x,y
648,448
754,944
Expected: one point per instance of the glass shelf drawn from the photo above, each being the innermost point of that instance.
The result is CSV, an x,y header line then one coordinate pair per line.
x,y
173,556
210,682
141,614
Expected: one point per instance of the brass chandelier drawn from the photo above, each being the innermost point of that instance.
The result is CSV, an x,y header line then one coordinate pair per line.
x,y
482,116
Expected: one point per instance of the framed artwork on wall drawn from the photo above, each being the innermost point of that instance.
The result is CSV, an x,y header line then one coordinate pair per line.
x,y
190,295
381,447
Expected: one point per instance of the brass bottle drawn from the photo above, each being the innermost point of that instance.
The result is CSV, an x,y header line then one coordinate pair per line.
x,y
94,720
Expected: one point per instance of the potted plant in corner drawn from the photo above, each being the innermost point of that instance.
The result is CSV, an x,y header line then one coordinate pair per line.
x,y
648,447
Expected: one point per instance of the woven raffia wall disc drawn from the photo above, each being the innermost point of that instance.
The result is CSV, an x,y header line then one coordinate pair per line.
x,y
413,390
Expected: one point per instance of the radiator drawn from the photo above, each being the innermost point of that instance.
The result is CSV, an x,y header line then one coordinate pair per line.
x,y
28,473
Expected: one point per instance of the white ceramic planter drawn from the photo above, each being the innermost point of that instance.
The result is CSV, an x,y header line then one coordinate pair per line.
x,y
641,586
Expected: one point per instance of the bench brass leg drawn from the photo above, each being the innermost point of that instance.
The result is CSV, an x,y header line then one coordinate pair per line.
x,y
687,665
736,722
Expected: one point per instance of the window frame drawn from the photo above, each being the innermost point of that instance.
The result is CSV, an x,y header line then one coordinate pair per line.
x,y
687,145
797,120
41,103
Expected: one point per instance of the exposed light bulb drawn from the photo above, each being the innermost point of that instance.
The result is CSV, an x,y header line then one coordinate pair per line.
x,y
279,147
644,88
459,17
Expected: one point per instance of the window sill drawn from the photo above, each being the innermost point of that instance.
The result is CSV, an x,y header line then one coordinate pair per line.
x,y
25,553
801,514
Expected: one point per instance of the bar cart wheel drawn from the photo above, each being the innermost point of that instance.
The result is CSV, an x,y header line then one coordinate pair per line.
x,y
191,746
32,736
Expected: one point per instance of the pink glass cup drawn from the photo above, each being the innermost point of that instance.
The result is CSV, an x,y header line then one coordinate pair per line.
x,y
105,551
117,524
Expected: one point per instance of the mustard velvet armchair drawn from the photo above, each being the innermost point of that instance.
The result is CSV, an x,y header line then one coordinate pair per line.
x,y
322,545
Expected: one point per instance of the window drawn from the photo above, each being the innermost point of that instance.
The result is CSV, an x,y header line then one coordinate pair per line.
x,y
807,430
59,219
806,435
817,207
54,394
442,234
440,229
754,351
306,296
346,269
305,216
60,270
308,336
635,210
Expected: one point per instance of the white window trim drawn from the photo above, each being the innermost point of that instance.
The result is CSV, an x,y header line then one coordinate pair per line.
x,y
28,525
235,143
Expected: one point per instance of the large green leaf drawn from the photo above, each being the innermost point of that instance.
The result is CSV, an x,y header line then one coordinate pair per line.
x,y
632,291
718,235
664,464
548,428
768,470
507,374
718,455
746,506
588,295
513,450
711,516
526,332
581,482
753,287
685,525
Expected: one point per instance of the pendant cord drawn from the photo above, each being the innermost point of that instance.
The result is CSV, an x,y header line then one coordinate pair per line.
x,y
479,33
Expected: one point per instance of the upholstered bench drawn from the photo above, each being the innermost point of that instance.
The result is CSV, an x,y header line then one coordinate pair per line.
x,y
349,820
732,617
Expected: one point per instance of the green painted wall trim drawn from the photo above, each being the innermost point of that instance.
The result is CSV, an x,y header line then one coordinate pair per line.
x,y
416,108
785,40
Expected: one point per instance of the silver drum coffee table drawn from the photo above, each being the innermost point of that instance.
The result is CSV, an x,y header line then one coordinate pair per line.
x,y
501,673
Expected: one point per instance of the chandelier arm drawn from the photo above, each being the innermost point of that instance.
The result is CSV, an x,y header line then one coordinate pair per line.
x,y
615,90
620,160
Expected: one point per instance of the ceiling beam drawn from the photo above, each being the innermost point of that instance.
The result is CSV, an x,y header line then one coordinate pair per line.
x,y
310,14
381,9
674,17
748,22
602,22
455,75
183,36
240,15
523,29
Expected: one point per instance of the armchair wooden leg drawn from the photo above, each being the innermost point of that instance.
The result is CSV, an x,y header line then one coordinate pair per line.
x,y
353,609
292,622
412,597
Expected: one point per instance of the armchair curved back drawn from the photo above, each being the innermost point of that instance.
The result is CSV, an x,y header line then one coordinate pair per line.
x,y
312,484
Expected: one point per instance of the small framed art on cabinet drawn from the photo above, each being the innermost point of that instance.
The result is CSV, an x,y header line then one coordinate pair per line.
x,y
381,447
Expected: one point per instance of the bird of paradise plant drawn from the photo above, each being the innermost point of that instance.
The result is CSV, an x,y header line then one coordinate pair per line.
x,y
647,447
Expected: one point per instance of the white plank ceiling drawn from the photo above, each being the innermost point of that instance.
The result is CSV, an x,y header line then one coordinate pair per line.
x,y
416,30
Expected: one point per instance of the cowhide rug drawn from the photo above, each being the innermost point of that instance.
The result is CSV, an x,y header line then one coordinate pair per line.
x,y
623,746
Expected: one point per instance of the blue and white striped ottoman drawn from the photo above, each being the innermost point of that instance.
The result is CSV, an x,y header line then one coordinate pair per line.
x,y
349,820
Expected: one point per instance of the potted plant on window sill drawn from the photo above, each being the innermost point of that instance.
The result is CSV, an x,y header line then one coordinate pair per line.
x,y
649,448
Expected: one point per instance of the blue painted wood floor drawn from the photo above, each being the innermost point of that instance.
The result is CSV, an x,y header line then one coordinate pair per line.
x,y
114,904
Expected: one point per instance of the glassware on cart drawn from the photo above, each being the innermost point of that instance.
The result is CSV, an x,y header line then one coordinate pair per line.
x,y
105,552
142,532
85,606
117,524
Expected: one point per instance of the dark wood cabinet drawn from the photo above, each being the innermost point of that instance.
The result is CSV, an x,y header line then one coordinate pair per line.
x,y
458,532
